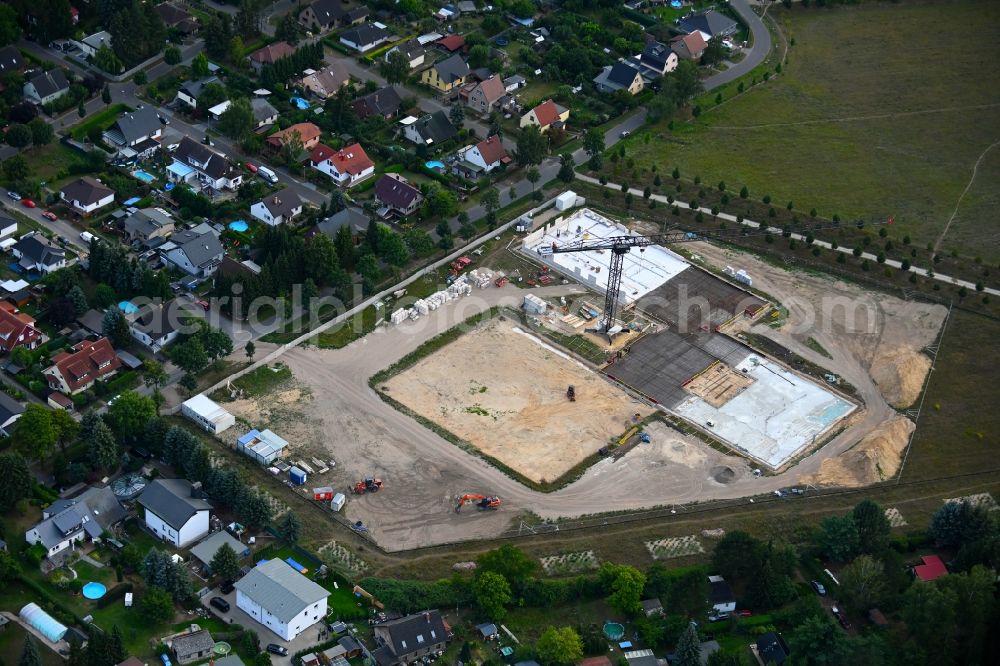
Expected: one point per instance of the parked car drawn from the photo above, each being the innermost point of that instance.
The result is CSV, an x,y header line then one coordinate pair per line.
x,y
227,587
220,603
279,650
717,616
624,134
163,120
49,215
251,168
27,203
172,147
744,613
202,304
14,196
818,586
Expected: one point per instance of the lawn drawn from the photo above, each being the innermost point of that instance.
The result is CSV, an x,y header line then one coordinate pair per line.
x,y
12,643
823,134
103,119
959,426
46,162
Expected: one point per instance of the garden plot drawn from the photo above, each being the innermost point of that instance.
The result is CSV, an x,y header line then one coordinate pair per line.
x,y
665,549
984,500
895,518
339,557
569,563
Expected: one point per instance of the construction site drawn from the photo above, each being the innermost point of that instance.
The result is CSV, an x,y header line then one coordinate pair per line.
x,y
509,418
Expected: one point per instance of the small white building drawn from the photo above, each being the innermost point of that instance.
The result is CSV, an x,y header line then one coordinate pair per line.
x,y
566,200
263,447
534,305
207,414
280,598
175,511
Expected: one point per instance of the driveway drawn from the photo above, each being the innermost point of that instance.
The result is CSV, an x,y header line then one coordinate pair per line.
x,y
758,51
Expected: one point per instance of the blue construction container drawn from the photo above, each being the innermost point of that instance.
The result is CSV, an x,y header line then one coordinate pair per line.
x,y
297,476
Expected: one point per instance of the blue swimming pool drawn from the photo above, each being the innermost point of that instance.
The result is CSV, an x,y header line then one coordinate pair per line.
x,y
128,307
94,590
434,164
676,4
239,225
299,102
143,176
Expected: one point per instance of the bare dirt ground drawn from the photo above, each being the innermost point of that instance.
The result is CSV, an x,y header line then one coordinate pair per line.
x,y
504,391
338,413
876,344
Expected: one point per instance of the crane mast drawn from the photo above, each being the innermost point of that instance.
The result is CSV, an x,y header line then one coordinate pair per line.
x,y
619,246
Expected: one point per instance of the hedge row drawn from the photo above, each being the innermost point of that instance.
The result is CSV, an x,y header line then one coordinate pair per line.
x,y
114,594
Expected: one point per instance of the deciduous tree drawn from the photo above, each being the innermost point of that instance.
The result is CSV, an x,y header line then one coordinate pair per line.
x,y
492,594
15,479
559,647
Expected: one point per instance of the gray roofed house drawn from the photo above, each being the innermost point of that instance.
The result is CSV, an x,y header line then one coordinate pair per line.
x,y
452,69
205,550
354,218
189,91
408,638
364,37
326,14
281,598
68,521
200,162
156,326
772,649
278,207
656,59
710,24
263,112
326,81
394,195
193,646
10,412
10,60
35,252
512,83
135,127
197,251
467,7
433,128
175,511
383,102
46,87
620,76
87,194
148,223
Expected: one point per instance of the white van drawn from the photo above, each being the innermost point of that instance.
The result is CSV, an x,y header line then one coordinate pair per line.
x,y
87,237
267,174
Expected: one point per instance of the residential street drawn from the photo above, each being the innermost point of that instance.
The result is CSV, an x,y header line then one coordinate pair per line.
x,y
758,50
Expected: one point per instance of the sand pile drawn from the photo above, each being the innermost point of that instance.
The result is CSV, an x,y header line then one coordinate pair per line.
x,y
900,375
873,459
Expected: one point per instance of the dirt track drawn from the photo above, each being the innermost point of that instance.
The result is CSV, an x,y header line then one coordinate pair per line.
x,y
424,472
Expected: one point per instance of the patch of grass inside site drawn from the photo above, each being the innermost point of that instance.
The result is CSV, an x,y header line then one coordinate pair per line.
x,y
959,425
262,380
431,347
820,133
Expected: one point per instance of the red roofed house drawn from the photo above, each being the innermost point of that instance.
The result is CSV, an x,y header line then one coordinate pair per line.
x,y
932,568
17,329
545,115
451,43
595,661
689,47
308,135
268,55
483,157
347,166
77,371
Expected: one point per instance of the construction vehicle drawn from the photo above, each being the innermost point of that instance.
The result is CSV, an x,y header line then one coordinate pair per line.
x,y
368,485
483,502
501,281
622,245
460,264
571,393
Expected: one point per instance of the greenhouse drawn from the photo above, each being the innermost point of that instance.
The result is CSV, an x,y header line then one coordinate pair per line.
x,y
45,624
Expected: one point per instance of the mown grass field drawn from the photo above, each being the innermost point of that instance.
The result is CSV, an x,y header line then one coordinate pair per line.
x,y
882,109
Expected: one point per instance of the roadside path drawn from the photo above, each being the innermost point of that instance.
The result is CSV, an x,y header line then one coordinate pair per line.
x,y
891,263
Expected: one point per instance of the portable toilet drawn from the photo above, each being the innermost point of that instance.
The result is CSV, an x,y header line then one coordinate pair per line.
x,y
297,476
338,502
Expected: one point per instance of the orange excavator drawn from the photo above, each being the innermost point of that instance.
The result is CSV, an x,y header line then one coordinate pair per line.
x,y
483,502
368,485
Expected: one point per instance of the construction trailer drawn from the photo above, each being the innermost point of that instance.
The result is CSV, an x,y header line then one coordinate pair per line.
x,y
207,414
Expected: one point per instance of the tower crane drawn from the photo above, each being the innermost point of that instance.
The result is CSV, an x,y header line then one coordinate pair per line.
x,y
622,245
